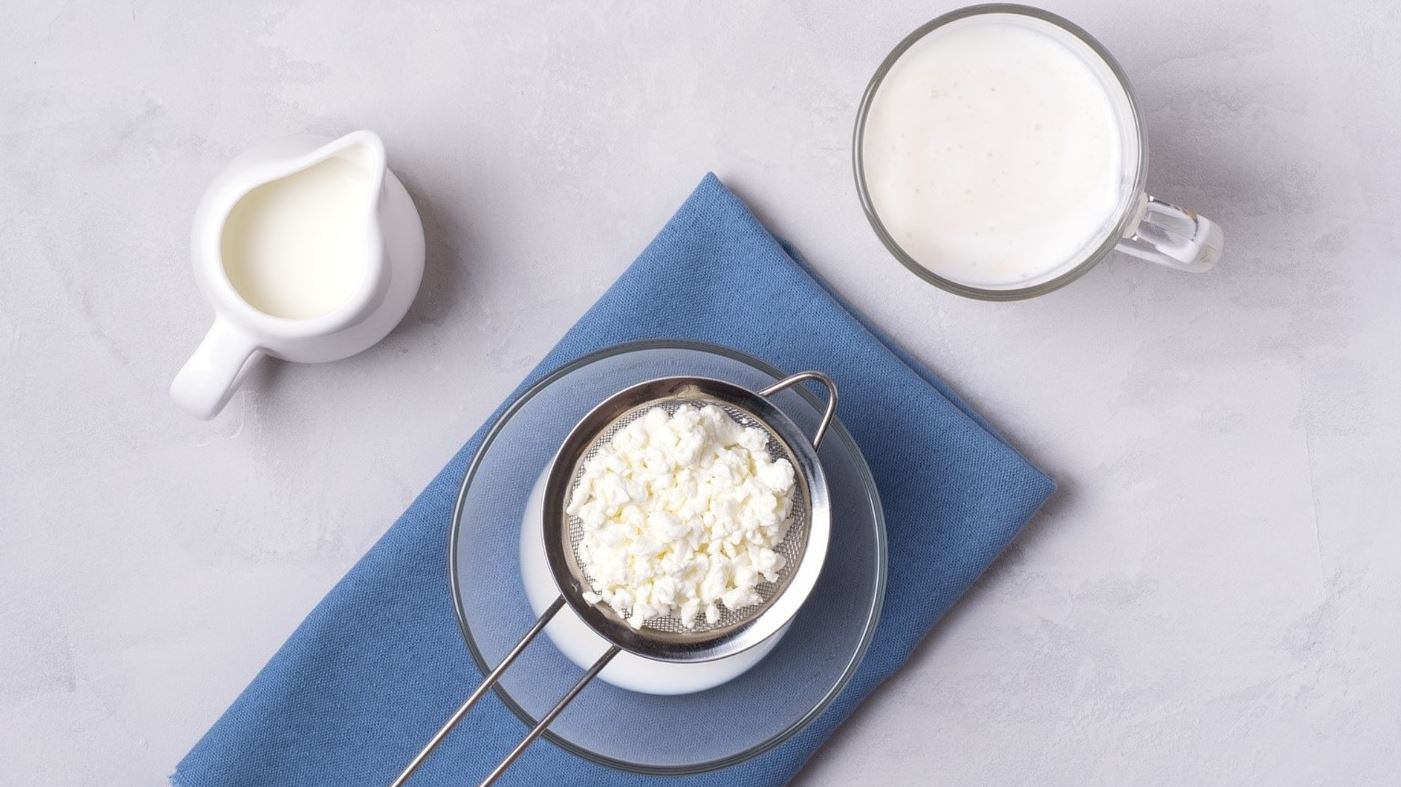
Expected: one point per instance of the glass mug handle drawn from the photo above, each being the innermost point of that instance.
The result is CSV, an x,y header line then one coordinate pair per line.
x,y
1173,236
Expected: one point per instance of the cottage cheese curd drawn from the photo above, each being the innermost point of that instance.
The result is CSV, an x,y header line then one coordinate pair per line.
x,y
681,514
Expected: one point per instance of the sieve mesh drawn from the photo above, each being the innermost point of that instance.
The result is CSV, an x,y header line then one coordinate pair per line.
x,y
791,547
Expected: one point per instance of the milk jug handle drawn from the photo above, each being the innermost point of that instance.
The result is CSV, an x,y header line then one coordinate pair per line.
x,y
206,382
1173,236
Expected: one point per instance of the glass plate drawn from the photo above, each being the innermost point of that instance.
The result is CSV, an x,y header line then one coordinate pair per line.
x,y
643,732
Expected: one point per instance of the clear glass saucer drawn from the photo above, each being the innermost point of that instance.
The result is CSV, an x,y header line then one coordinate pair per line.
x,y
643,732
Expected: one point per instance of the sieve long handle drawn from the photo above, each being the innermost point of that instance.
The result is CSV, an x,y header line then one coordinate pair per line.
x,y
826,381
487,683
549,717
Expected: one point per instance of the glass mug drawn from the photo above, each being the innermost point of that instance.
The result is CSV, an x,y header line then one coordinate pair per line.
x,y
1128,220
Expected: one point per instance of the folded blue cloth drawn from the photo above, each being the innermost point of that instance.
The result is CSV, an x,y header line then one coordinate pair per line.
x,y
380,662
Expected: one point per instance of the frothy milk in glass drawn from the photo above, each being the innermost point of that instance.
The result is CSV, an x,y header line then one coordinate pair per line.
x,y
993,154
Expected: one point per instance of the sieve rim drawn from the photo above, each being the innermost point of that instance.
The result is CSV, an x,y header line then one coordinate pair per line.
x,y
723,641
792,546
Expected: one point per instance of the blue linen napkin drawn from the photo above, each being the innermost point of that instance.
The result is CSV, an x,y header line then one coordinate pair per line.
x,y
380,662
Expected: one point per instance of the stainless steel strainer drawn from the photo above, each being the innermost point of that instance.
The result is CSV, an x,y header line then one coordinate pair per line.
x,y
667,639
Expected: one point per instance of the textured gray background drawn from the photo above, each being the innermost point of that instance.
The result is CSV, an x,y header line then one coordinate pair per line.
x,y
1211,598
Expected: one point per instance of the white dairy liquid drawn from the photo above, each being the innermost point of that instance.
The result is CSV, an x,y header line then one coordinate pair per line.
x,y
993,154
297,247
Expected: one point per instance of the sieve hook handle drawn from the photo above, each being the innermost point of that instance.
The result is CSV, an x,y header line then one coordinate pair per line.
x,y
489,681
826,381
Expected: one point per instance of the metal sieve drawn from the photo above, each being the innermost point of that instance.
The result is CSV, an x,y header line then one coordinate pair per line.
x,y
666,639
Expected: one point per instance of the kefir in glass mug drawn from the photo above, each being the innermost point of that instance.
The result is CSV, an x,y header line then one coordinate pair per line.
x,y
999,154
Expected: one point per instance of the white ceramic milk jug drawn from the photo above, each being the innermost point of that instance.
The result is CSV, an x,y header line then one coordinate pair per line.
x,y
308,249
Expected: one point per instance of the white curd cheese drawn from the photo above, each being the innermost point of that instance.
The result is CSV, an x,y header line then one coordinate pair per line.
x,y
682,514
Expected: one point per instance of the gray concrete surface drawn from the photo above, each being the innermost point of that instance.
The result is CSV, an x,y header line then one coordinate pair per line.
x,y
1212,598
